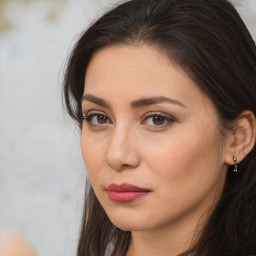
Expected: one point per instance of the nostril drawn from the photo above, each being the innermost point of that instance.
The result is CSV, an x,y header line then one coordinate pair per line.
x,y
121,153
119,165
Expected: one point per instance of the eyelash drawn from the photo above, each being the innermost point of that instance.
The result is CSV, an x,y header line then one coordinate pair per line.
x,y
167,119
87,118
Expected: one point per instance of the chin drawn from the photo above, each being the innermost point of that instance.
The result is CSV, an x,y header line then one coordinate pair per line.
x,y
127,226
127,222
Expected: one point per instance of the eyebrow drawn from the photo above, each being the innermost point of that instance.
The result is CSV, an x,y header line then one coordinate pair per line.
x,y
134,104
96,100
155,100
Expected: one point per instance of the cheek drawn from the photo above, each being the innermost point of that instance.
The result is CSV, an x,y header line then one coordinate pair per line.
x,y
186,163
92,153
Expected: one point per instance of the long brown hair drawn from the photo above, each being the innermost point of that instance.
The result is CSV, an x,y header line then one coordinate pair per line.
x,y
209,40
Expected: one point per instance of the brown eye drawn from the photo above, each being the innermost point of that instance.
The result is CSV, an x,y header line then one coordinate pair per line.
x,y
97,119
158,120
101,119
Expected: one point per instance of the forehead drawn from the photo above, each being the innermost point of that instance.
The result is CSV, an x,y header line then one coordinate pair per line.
x,y
129,72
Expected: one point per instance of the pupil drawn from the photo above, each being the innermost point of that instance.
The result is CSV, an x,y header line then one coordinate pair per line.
x,y
158,120
101,119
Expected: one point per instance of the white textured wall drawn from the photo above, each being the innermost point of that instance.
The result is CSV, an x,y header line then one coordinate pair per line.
x,y
41,170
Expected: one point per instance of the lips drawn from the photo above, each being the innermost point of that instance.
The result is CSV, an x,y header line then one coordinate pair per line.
x,y
125,193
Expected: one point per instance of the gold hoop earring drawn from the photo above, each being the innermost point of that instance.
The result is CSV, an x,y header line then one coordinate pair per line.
x,y
235,161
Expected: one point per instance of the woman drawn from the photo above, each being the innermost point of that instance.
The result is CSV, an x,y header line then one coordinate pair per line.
x,y
164,92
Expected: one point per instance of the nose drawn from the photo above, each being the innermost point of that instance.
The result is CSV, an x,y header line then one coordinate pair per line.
x,y
122,151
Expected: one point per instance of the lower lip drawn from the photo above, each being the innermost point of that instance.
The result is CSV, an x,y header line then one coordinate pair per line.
x,y
126,197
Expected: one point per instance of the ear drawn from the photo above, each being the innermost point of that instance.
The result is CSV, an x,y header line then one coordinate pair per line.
x,y
242,139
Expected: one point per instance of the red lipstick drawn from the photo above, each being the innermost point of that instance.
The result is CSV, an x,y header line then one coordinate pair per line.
x,y
125,193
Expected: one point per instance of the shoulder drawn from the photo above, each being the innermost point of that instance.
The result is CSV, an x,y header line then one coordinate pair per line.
x,y
13,243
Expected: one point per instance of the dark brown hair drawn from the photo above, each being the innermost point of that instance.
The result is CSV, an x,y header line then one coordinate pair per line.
x,y
207,39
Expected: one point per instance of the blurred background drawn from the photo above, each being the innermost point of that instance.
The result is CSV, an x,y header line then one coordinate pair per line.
x,y
42,175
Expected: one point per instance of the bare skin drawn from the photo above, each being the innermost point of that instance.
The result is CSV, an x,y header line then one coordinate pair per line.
x,y
14,244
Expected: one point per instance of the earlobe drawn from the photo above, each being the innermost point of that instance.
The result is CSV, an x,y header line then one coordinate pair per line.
x,y
242,140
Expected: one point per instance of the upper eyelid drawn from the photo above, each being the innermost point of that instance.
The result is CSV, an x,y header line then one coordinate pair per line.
x,y
167,117
94,111
150,114
102,111
155,113
96,114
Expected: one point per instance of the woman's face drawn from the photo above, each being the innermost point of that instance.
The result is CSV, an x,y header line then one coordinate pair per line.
x,y
151,144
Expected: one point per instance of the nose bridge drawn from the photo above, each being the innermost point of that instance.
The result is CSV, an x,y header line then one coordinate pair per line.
x,y
122,148
120,134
